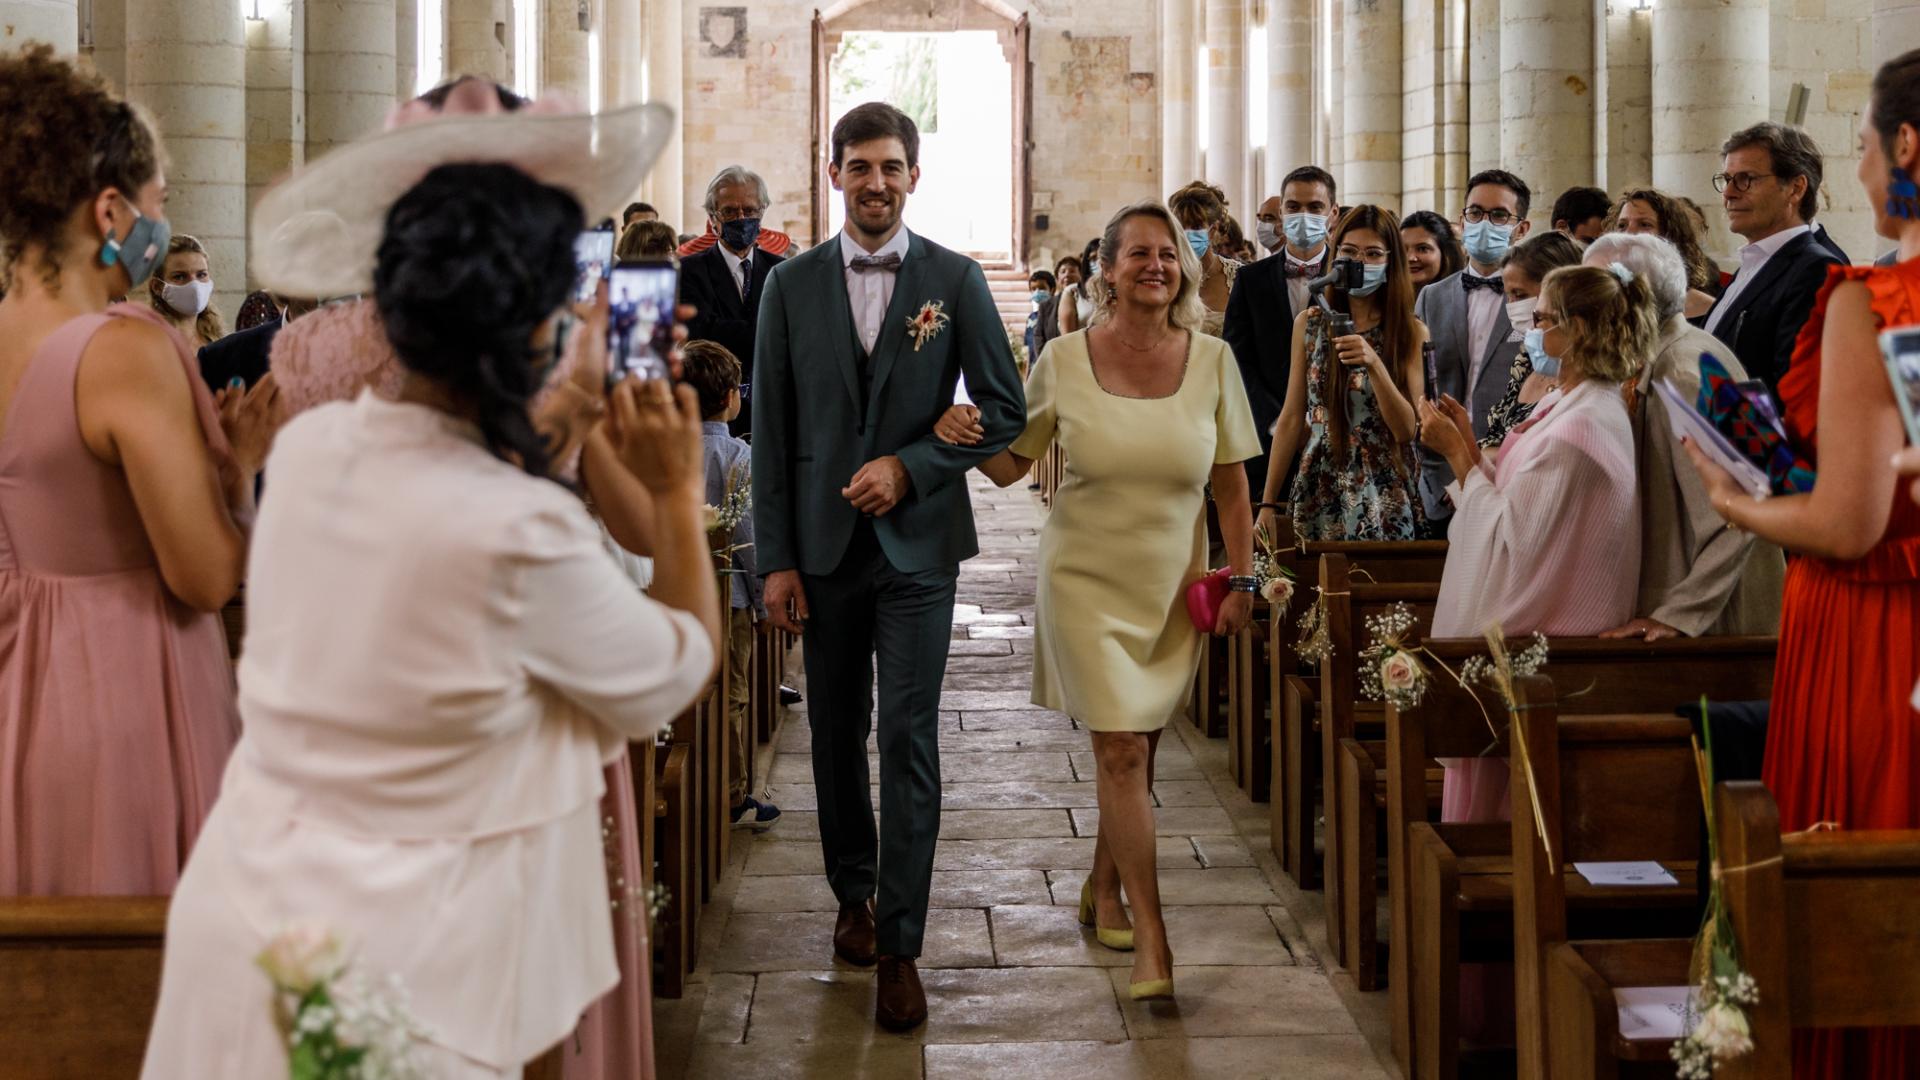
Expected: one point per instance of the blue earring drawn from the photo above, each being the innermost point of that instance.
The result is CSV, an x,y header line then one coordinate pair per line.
x,y
109,252
1903,196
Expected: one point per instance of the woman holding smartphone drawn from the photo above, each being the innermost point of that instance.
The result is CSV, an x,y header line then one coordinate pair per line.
x,y
1843,744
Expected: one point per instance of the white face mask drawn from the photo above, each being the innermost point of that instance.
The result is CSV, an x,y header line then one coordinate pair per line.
x,y
1520,314
190,299
1269,235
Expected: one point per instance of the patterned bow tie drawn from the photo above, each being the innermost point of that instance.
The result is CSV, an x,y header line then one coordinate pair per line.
x,y
1295,269
1475,281
862,263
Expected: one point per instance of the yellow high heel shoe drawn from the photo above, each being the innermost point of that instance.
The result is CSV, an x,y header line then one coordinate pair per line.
x,y
1154,989
1117,940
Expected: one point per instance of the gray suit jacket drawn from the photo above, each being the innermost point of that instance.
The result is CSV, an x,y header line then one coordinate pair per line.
x,y
1443,307
813,429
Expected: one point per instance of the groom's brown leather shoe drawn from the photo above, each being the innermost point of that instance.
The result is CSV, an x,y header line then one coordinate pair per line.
x,y
853,934
901,1004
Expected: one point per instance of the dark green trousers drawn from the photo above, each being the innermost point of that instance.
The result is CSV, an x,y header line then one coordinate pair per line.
x,y
862,612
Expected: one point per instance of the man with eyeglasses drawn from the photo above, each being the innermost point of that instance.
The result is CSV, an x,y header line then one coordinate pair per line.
x,y
724,281
1770,186
1466,318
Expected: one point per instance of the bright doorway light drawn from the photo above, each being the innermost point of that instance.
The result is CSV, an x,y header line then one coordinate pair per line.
x,y
526,47
430,61
1202,108
593,70
1257,88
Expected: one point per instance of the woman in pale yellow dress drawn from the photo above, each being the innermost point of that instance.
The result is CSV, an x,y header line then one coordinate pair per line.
x,y
1150,411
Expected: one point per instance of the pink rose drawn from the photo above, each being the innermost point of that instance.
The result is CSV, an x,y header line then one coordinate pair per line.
x,y
301,956
1277,592
1399,672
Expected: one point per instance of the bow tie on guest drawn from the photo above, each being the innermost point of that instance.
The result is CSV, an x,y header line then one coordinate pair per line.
x,y
1474,281
1299,269
862,263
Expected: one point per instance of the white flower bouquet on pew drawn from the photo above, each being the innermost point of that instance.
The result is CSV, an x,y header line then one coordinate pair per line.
x,y
1276,581
340,1023
1390,670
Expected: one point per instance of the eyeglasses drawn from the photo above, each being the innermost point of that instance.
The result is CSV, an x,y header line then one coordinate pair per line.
x,y
1372,254
736,213
1477,214
1738,181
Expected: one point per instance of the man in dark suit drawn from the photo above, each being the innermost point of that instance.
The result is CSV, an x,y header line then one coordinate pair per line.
x,y
1770,186
861,520
724,282
243,355
1267,296
1466,317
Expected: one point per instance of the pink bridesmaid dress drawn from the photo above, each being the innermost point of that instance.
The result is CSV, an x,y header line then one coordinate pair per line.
x,y
117,704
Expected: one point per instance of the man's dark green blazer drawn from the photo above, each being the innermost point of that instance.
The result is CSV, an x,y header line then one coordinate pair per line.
x,y
813,429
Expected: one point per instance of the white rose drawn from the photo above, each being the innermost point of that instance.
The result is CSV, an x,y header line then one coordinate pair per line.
x,y
301,956
711,515
1399,672
1724,1032
1277,592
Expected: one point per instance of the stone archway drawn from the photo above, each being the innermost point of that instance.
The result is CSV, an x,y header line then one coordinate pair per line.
x,y
1011,29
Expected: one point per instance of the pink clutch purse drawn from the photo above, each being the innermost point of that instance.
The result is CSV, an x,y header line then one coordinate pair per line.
x,y
1205,597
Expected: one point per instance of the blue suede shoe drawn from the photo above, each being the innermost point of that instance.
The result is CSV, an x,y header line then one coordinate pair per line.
x,y
754,814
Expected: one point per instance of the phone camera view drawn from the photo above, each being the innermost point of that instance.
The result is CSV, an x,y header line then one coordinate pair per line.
x,y
640,320
1901,346
592,260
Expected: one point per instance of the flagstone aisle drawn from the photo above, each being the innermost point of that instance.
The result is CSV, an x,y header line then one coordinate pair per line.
x,y
1015,987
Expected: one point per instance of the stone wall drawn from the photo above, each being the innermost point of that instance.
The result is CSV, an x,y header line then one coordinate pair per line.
x,y
1827,46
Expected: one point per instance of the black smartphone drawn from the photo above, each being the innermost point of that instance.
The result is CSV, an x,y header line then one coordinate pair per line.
x,y
592,262
1901,347
641,297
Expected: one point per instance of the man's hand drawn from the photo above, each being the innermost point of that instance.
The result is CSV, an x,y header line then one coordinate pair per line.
x,y
1648,629
786,601
878,487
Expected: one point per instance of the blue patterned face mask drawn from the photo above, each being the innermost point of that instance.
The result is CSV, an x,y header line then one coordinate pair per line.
x,y
1199,240
144,248
1536,345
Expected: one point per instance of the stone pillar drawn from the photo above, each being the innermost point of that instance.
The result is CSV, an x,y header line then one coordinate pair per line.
x,y
1483,87
1370,40
1896,29
1179,142
478,33
350,76
406,48
276,95
187,64
563,54
1625,123
1289,90
1453,113
56,22
109,51
1336,54
1710,79
666,185
1546,96
1226,164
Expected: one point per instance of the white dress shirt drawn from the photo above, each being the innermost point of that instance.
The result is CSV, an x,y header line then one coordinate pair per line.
x,y
1753,259
869,292
740,267
1297,286
1483,309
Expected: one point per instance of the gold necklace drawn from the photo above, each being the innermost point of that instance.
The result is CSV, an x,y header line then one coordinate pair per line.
x,y
1161,340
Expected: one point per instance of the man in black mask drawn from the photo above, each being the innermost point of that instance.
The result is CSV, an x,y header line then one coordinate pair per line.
x,y
724,281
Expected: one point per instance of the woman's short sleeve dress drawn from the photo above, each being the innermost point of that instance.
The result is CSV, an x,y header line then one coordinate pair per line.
x,y
1114,648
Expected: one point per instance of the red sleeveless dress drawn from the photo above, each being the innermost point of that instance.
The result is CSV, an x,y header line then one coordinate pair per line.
x,y
1843,739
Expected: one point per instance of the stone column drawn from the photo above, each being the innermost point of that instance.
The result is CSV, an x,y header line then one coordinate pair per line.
x,y
563,54
1452,109
1226,163
1483,86
406,48
1289,90
1710,79
276,95
1625,126
187,63
56,22
666,185
1546,96
350,70
1179,143
1896,29
109,51
1370,41
478,32
1336,56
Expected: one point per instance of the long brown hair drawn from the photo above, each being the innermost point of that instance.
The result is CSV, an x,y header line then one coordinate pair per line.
x,y
1677,227
1399,330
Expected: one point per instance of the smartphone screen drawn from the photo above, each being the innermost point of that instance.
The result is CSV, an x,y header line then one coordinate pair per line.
x,y
641,297
592,262
1901,347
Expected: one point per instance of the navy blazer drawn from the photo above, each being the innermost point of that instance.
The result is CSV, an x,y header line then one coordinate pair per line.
x,y
707,282
1761,323
241,355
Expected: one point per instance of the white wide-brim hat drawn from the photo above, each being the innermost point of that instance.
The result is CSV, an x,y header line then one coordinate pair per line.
x,y
315,235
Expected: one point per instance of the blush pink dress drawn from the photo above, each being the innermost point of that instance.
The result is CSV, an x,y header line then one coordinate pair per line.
x,y
116,700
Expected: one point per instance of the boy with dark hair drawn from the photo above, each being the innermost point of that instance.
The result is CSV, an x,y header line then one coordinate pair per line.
x,y
1581,212
714,374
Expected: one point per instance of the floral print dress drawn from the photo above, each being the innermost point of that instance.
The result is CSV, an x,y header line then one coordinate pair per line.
x,y
1367,493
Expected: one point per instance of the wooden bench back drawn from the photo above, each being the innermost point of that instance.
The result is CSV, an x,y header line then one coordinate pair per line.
x,y
1351,600
79,979
1826,916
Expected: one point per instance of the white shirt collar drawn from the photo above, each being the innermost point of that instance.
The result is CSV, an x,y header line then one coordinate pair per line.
x,y
1316,260
896,246
1762,250
733,261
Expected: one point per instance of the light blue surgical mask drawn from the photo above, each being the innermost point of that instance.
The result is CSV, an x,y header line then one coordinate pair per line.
x,y
1536,345
1040,296
1199,241
1373,275
1306,232
1488,243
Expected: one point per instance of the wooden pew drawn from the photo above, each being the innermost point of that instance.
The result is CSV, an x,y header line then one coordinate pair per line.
x,y
1593,677
678,929
1248,675
1825,923
79,980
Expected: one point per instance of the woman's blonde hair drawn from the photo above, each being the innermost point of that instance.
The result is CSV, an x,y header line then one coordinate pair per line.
x,y
211,326
645,240
1613,325
1187,310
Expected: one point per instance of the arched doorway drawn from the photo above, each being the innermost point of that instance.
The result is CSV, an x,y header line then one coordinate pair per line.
x,y
973,140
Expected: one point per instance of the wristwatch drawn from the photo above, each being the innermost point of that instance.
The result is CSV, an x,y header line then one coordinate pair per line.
x,y
1243,584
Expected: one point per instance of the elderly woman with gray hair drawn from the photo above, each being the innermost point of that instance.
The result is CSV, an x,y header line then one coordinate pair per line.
x,y
1698,575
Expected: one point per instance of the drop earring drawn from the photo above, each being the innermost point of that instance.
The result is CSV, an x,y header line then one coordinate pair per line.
x,y
1903,195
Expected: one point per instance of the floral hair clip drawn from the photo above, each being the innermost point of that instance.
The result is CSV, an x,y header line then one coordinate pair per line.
x,y
1621,271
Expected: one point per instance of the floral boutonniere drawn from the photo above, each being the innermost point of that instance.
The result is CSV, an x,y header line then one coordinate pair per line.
x,y
927,322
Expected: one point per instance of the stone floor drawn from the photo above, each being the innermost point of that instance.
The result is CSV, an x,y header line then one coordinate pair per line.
x,y
1015,987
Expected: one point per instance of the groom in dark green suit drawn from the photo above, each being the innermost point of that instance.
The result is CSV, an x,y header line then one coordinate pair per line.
x,y
861,520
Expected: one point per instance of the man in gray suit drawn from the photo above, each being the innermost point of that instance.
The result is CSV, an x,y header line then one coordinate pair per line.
x,y
861,520
1466,317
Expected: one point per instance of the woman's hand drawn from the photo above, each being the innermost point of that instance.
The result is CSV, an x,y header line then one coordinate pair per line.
x,y
1353,351
1235,612
1721,487
960,426
656,431
250,418
1907,463
1263,524
1445,430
